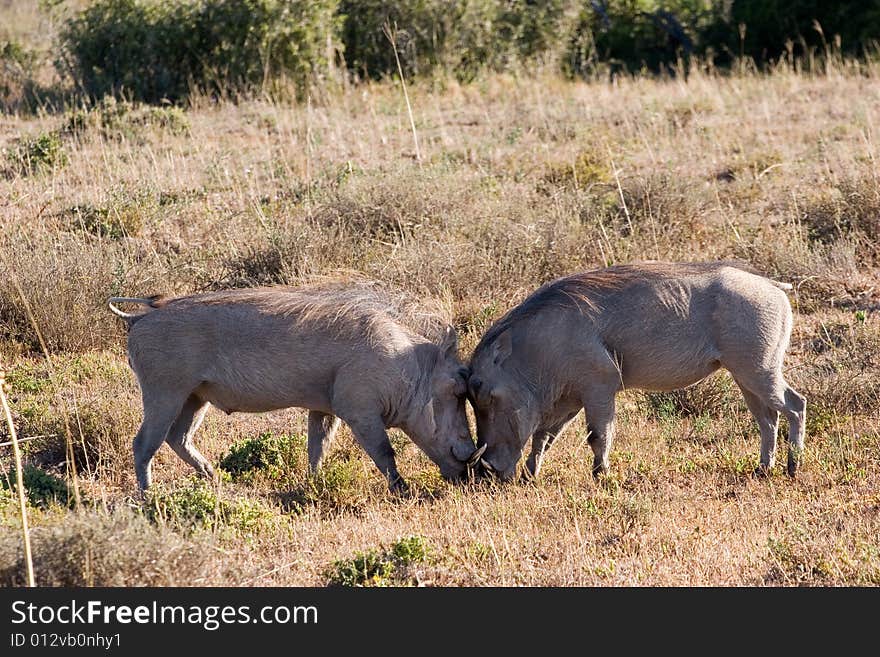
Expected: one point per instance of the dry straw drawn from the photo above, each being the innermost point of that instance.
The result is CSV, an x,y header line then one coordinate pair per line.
x,y
19,479
391,34
71,464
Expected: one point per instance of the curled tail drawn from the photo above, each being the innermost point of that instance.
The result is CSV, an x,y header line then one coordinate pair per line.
x,y
154,301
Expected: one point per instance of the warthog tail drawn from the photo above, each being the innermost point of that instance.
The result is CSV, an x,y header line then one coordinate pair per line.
x,y
131,318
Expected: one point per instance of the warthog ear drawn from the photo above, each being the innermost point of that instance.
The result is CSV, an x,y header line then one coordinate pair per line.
x,y
502,347
449,343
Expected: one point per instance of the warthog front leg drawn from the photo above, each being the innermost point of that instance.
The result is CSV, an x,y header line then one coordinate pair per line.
x,y
542,439
371,435
181,434
322,429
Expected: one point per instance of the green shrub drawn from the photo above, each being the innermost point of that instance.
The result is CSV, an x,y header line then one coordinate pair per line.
x,y
810,25
43,489
17,69
197,505
111,223
369,568
119,120
410,549
37,154
273,454
380,567
150,50
635,35
460,37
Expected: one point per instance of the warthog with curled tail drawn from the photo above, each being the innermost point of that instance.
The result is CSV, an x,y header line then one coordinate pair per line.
x,y
337,351
575,342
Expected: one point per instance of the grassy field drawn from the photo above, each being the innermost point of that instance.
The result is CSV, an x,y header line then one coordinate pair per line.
x,y
519,180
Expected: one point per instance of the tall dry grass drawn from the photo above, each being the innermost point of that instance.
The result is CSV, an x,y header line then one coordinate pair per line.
x,y
521,180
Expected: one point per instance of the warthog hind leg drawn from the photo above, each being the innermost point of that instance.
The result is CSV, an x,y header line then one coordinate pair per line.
x,y
600,425
768,423
322,429
542,439
160,412
795,411
181,435
774,393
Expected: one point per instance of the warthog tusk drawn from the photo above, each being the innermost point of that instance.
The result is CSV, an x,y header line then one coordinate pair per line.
x,y
472,461
487,465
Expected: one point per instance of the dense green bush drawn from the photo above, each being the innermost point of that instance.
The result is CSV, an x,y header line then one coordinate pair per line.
x,y
41,487
150,50
456,36
634,35
638,34
33,154
808,24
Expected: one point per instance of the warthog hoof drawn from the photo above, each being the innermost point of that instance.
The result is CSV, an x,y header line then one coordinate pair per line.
x,y
762,471
399,487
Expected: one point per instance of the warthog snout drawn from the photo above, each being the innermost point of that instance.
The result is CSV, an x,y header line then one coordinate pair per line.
x,y
468,464
490,470
468,457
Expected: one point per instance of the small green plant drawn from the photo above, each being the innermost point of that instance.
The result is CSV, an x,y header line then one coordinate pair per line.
x,y
370,568
340,484
410,549
108,222
197,505
28,378
37,154
380,567
43,489
119,120
821,419
586,169
274,455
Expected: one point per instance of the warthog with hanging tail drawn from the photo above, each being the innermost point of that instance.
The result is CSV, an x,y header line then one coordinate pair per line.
x,y
338,351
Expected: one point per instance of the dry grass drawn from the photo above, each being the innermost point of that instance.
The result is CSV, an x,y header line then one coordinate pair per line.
x,y
521,180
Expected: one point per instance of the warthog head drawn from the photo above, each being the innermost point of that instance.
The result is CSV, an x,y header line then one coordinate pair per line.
x,y
504,404
440,426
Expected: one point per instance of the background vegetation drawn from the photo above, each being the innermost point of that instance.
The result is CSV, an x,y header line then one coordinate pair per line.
x,y
523,174
155,51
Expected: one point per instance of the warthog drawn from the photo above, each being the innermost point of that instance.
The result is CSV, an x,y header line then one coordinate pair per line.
x,y
575,342
336,351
